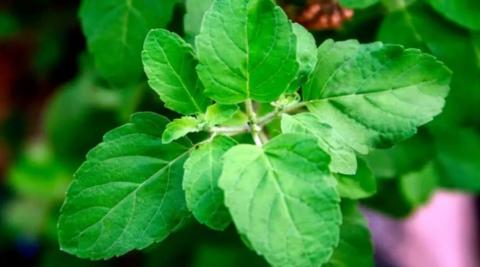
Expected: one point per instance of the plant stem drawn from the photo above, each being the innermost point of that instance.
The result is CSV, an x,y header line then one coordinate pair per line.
x,y
255,129
263,136
272,115
255,125
232,130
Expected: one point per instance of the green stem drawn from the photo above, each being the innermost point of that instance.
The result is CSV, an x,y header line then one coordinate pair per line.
x,y
272,115
255,129
231,130
255,125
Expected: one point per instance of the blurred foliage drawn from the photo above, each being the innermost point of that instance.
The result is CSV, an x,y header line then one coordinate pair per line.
x,y
8,25
68,127
79,103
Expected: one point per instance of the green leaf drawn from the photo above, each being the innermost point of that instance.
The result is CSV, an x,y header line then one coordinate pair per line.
x,y
202,171
361,185
178,128
355,247
194,15
115,32
375,95
128,194
219,113
358,3
419,26
306,55
419,186
169,63
343,159
246,49
283,199
463,12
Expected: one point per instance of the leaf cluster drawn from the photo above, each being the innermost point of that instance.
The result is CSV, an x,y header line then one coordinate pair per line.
x,y
291,194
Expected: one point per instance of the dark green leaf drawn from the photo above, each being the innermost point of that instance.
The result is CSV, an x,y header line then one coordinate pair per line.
x,y
128,194
115,31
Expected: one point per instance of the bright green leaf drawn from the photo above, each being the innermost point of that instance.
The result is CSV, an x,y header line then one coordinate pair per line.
x,y
115,31
375,95
246,49
463,12
355,247
361,185
169,63
421,27
128,194
283,199
202,171
178,128
306,55
343,157
219,113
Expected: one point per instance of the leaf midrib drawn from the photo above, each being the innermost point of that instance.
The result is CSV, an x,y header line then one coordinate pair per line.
x,y
177,76
140,185
247,48
274,175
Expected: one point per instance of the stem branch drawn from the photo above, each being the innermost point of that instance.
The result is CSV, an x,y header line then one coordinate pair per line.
x,y
255,129
272,115
254,124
